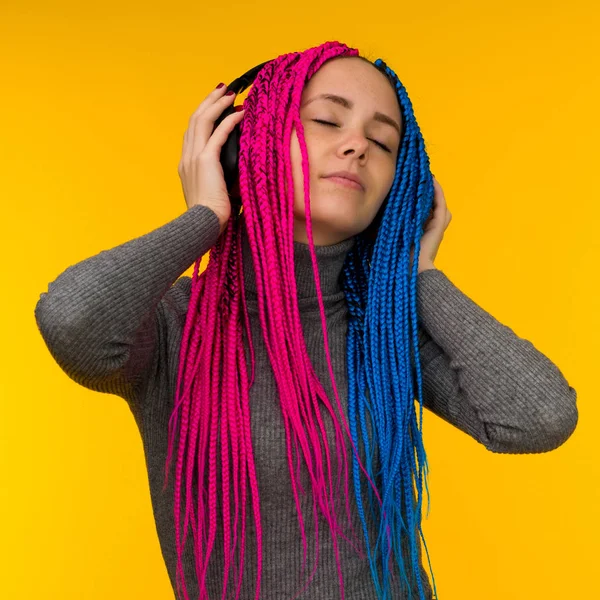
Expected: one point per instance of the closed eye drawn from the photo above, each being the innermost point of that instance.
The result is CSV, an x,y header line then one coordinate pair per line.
x,y
335,125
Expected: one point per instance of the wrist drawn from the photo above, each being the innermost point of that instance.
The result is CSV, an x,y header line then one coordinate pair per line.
x,y
222,220
223,224
425,266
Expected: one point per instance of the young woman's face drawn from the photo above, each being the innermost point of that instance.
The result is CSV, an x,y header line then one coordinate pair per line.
x,y
354,143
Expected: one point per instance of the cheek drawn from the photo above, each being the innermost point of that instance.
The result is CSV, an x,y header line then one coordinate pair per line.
x,y
385,190
295,156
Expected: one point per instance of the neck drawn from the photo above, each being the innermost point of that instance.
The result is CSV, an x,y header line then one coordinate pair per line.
x,y
330,260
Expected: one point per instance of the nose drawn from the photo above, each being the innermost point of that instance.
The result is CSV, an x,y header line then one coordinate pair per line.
x,y
354,144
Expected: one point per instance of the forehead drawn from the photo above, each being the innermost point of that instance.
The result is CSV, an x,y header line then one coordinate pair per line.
x,y
357,80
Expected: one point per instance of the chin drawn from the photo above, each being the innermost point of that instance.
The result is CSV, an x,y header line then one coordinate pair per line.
x,y
334,208
333,221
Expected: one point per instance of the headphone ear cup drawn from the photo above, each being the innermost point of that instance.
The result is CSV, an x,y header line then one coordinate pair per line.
x,y
230,151
229,158
230,163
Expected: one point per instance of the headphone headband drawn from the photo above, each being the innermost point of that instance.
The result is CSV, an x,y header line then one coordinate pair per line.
x,y
244,81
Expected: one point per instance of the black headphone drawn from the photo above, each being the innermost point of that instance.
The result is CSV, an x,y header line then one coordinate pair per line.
x,y
231,148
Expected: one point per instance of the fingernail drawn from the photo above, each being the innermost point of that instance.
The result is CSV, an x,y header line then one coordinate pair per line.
x,y
229,93
219,86
238,108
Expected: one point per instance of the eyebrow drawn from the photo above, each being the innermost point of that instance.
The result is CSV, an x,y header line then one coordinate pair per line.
x,y
349,104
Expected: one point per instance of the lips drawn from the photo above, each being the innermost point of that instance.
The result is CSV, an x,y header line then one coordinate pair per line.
x,y
347,175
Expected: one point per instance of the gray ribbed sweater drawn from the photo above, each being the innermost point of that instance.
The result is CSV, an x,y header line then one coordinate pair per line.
x,y
113,323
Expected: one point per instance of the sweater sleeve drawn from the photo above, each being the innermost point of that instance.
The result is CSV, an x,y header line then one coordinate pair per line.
x,y
100,318
479,376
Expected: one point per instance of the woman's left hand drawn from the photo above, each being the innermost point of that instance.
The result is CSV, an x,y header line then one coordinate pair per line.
x,y
433,230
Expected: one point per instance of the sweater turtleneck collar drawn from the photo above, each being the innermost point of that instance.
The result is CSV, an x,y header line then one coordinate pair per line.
x,y
329,258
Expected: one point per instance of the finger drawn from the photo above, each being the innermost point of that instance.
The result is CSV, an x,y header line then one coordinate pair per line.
x,y
204,123
210,100
201,129
440,205
220,134
439,194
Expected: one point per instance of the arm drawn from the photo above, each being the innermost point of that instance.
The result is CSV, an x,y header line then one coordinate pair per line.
x,y
481,377
101,317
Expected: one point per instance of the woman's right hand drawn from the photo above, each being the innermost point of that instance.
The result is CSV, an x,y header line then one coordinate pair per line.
x,y
200,167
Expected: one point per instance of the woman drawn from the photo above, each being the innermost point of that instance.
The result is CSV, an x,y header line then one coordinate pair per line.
x,y
245,376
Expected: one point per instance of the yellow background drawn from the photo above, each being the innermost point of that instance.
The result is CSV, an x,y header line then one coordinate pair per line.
x,y
94,106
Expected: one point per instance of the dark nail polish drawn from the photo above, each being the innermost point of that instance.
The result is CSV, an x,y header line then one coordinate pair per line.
x,y
219,86
229,93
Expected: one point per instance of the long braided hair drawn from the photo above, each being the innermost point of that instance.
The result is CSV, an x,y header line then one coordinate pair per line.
x,y
213,385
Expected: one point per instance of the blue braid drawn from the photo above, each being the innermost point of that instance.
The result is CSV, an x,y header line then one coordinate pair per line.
x,y
381,296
